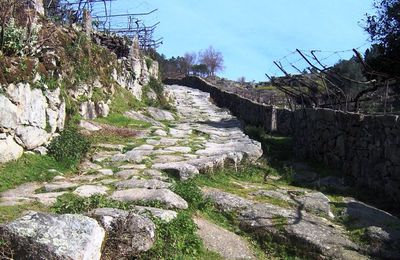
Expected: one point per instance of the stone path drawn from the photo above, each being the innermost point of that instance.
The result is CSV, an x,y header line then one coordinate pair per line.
x,y
227,244
199,138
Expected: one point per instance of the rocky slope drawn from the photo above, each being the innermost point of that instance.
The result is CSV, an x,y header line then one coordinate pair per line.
x,y
69,75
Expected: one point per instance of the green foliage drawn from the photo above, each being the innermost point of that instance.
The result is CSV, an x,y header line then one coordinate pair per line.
x,y
17,41
119,120
28,168
156,86
190,192
73,204
149,63
98,95
123,100
69,147
176,239
383,30
84,71
13,38
277,148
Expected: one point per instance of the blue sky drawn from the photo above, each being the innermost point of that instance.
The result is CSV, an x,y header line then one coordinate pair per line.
x,y
252,34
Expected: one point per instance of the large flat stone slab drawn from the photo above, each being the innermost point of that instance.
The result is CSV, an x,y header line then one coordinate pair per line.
x,y
170,199
227,244
148,184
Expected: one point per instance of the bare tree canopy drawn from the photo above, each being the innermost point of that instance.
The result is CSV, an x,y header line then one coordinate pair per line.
x,y
213,59
190,58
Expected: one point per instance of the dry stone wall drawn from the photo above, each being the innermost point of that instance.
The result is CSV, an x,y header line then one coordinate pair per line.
x,y
366,148
29,118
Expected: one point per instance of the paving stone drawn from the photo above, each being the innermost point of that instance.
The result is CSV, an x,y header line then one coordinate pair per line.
x,y
126,174
148,184
171,199
90,190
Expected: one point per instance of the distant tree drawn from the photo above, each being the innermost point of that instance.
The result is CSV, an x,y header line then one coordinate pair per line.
x,y
241,80
213,59
384,30
191,59
200,70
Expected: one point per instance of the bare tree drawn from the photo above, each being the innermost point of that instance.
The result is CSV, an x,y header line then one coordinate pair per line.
x,y
213,59
190,59
241,80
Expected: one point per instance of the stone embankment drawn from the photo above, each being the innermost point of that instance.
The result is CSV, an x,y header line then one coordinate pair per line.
x,y
365,147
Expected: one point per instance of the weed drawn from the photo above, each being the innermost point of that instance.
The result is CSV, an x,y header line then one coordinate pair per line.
x,y
69,147
5,250
190,192
176,239
70,203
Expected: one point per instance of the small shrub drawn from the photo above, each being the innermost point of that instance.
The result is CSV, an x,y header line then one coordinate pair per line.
x,y
287,174
13,38
69,147
98,95
16,40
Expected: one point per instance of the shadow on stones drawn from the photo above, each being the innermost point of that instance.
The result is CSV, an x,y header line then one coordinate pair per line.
x,y
224,123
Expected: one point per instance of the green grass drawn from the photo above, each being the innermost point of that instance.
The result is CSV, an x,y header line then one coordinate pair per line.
x,y
28,168
10,213
275,147
111,138
119,120
123,100
273,201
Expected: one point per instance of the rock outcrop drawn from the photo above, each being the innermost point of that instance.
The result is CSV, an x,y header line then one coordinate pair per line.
x,y
312,234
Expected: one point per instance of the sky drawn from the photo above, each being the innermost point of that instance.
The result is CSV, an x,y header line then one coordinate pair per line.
x,y
251,34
